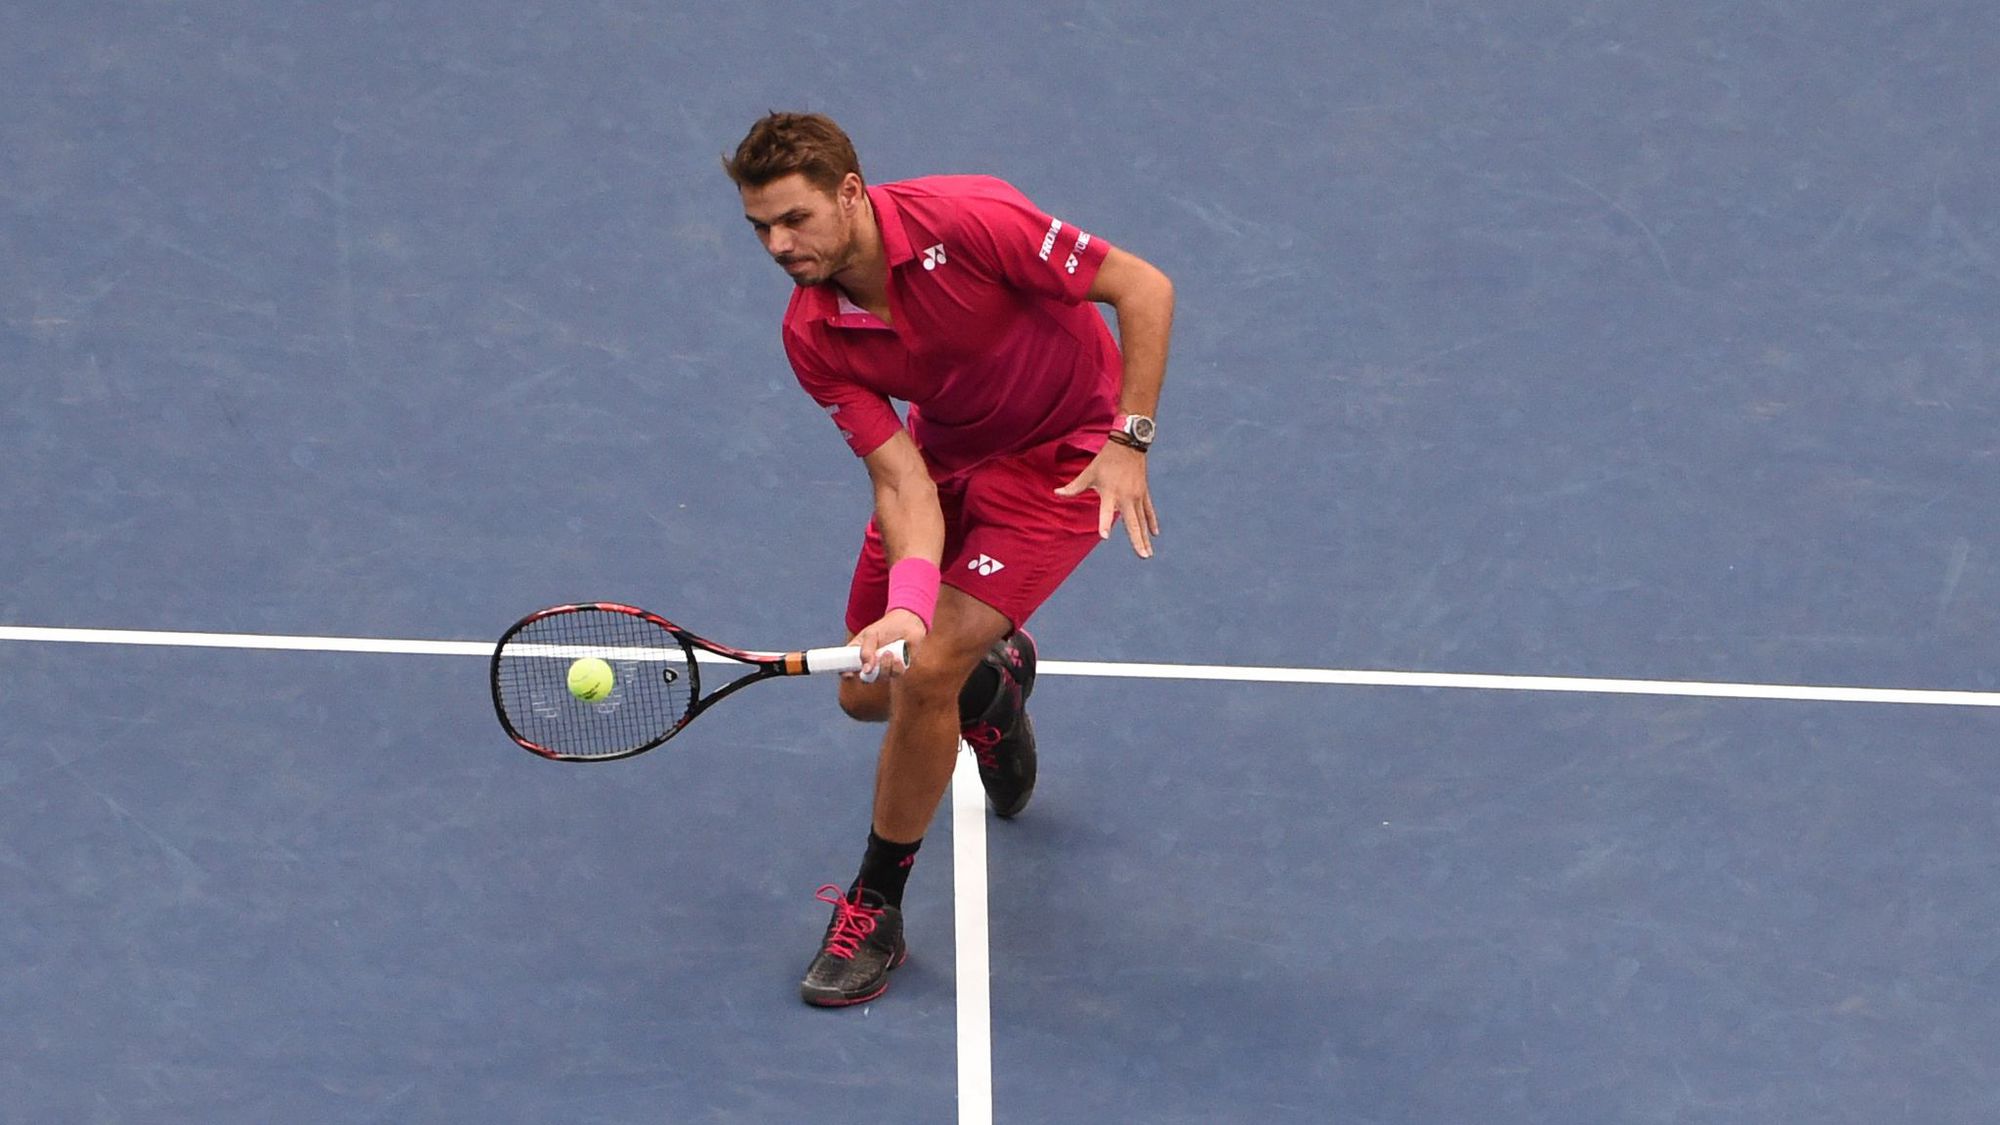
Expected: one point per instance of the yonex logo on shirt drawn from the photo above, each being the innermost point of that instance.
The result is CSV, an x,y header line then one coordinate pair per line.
x,y
985,565
941,348
1082,240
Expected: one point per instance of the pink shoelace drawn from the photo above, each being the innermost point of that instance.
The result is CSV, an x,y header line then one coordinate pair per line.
x,y
852,922
982,737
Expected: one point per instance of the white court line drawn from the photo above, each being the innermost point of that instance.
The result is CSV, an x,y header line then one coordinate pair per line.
x,y
244,640
1212,672
1485,682
968,800
975,1020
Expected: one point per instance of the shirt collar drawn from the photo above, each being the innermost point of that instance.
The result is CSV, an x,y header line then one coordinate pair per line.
x,y
827,302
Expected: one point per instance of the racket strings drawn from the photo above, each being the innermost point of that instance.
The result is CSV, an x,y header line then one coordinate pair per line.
x,y
653,683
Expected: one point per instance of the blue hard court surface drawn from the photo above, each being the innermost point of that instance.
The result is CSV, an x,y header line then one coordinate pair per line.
x,y
1594,339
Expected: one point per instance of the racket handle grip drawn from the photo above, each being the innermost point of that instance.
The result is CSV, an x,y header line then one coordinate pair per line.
x,y
848,659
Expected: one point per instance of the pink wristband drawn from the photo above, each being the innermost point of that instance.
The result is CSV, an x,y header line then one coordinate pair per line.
x,y
913,585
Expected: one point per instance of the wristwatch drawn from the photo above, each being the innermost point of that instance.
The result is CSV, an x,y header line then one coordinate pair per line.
x,y
1135,432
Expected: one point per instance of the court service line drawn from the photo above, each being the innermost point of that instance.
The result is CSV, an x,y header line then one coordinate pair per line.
x,y
1211,672
975,1019
1489,682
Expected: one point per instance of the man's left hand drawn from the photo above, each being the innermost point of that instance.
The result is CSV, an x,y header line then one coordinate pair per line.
x,y
1118,476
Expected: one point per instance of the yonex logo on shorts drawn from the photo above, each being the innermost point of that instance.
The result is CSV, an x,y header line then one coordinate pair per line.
x,y
986,564
934,257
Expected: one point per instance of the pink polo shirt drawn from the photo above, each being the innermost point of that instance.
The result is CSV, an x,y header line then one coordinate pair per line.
x,y
994,346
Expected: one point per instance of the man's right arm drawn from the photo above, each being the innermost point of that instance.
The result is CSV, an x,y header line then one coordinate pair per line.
x,y
912,526
906,500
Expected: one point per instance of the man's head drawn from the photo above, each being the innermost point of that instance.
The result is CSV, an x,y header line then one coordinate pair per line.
x,y
802,192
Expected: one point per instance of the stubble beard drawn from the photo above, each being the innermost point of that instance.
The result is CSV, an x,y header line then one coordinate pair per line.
x,y
839,263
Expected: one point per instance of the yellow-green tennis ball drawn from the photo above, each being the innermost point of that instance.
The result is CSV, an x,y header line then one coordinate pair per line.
x,y
590,679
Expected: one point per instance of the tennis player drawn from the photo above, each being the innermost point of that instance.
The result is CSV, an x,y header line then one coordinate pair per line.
x,y
961,298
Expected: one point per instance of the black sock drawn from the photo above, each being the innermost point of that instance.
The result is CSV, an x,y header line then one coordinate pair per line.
x,y
885,867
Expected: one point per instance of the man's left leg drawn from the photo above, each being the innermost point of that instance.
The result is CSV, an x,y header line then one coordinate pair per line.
x,y
993,720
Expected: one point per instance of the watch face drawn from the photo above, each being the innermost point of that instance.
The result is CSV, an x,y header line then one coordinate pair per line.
x,y
1140,427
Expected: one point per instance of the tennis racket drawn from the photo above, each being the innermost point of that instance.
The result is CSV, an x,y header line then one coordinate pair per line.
x,y
656,682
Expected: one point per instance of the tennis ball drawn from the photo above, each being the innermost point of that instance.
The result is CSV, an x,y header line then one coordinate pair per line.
x,y
590,679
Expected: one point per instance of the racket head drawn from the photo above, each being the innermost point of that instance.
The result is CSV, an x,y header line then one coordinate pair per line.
x,y
656,681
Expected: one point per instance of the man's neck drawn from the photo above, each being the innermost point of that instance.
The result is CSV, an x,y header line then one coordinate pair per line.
x,y
866,279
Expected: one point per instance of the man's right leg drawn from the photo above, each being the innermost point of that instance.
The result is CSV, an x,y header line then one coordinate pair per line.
x,y
863,942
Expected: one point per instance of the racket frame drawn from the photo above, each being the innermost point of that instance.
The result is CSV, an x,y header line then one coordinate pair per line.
x,y
763,666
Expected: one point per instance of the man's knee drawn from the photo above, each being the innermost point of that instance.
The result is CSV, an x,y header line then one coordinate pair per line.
x,y
933,679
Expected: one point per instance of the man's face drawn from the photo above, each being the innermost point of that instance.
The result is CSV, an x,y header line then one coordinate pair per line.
x,y
808,232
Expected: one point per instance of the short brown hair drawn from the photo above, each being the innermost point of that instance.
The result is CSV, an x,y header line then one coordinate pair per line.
x,y
780,144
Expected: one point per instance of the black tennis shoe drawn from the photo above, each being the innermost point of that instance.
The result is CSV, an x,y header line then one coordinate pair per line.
x,y
863,942
1001,735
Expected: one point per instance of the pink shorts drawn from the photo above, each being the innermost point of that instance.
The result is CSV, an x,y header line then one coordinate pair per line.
x,y
1009,540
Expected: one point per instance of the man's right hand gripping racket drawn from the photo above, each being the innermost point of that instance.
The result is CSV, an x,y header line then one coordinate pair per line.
x,y
655,687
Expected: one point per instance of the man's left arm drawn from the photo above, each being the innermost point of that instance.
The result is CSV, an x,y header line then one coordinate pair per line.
x,y
1143,299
